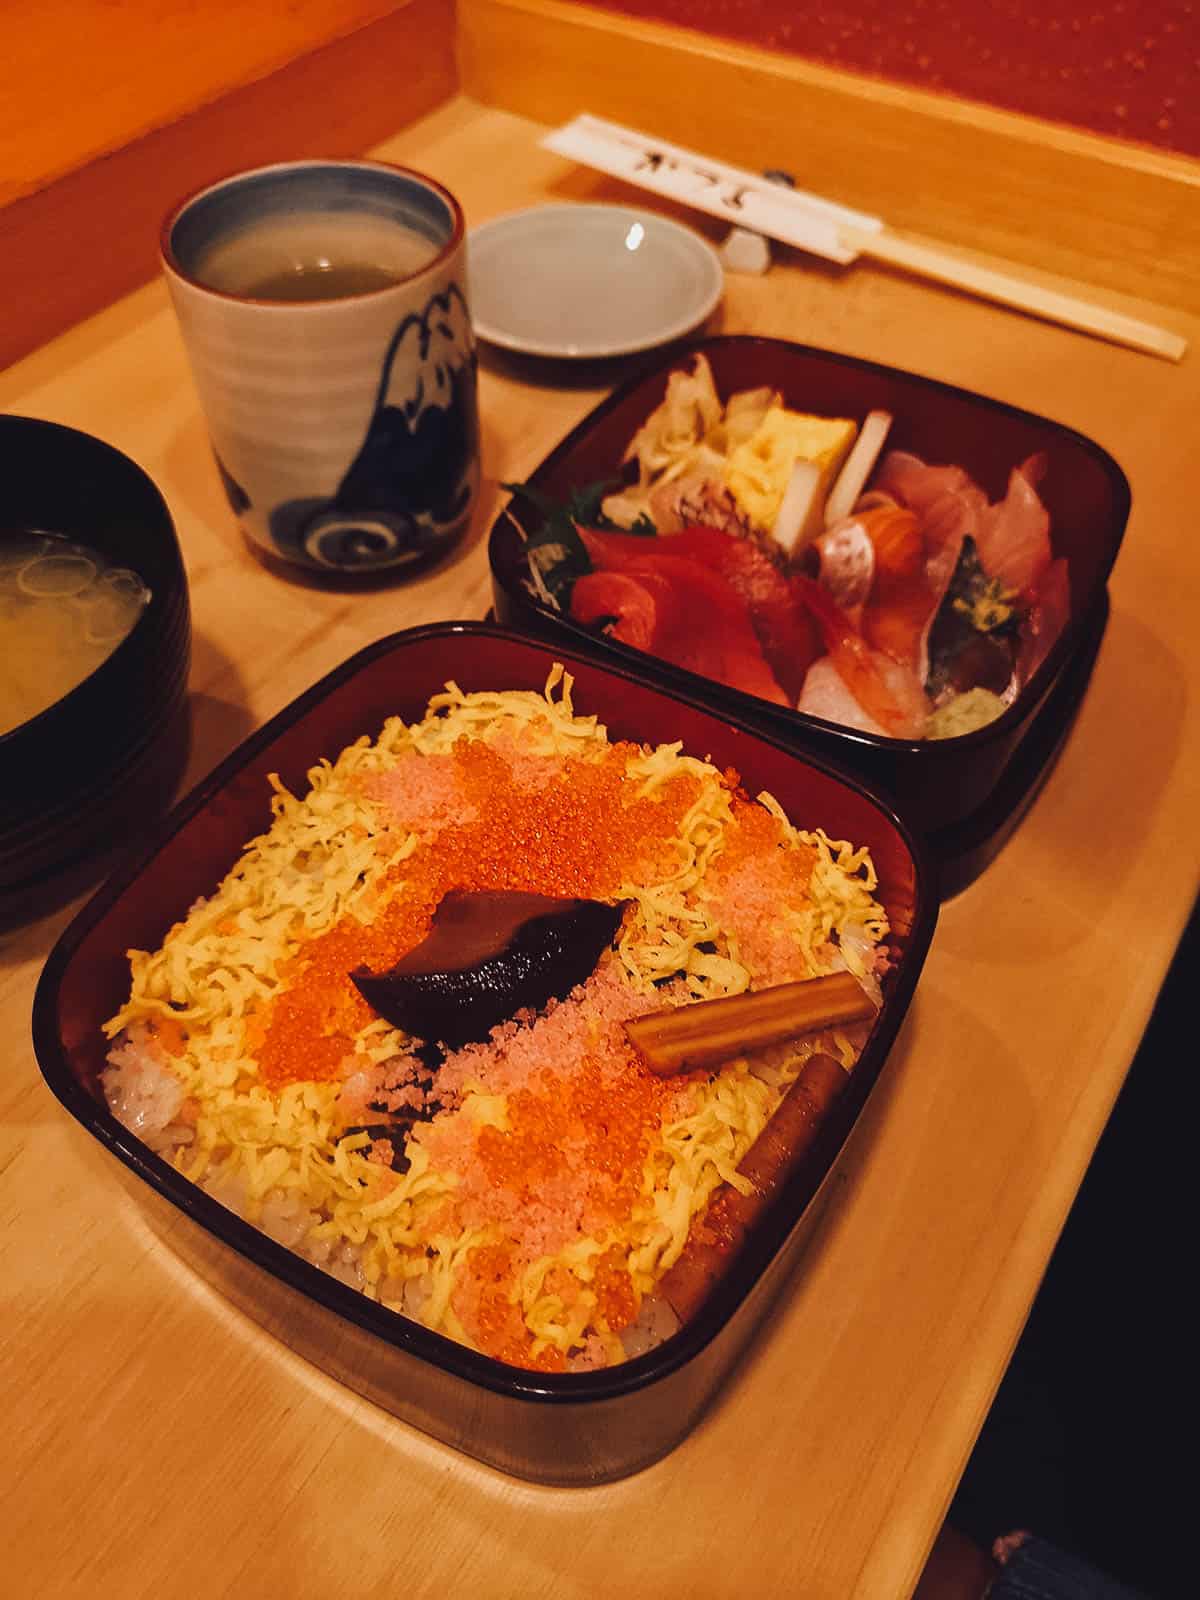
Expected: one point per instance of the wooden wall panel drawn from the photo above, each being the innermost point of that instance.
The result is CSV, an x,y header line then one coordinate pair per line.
x,y
1127,71
80,242
1097,211
85,77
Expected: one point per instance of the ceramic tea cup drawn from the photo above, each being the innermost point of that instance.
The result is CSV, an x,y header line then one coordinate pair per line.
x,y
322,305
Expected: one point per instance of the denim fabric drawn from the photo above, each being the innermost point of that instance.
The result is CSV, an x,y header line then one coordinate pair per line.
x,y
1039,1570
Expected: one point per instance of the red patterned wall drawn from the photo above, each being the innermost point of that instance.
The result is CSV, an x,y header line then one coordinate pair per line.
x,y
1129,68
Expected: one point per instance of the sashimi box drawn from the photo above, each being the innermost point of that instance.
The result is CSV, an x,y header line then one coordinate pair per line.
x,y
557,1427
964,793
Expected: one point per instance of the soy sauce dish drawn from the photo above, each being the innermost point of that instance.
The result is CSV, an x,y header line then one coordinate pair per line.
x,y
95,644
447,1201
904,576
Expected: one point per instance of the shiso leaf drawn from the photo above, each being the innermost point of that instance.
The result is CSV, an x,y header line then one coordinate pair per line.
x,y
553,548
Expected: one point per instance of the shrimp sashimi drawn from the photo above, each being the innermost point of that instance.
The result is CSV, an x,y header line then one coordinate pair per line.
x,y
888,691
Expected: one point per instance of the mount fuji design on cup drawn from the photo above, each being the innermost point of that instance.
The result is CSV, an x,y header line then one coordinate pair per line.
x,y
412,482
324,315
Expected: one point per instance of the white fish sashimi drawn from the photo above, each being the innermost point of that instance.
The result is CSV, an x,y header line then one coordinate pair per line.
x,y
1013,536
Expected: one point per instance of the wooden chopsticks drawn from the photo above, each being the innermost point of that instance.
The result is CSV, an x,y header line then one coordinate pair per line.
x,y
1009,286
684,1038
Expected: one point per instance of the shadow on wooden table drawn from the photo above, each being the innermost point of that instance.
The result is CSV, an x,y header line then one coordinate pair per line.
x,y
1111,802
548,372
1084,1441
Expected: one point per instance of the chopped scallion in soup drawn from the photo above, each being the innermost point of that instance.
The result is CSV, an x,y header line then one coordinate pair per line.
x,y
63,611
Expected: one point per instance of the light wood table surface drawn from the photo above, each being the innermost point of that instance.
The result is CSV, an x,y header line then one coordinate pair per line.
x,y
159,1443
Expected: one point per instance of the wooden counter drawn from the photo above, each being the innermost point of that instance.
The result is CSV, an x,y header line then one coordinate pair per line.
x,y
160,1444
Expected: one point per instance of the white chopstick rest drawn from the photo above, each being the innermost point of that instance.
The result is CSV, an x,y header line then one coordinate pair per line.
x,y
744,251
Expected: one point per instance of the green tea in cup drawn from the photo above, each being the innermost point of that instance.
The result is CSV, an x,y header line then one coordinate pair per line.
x,y
323,308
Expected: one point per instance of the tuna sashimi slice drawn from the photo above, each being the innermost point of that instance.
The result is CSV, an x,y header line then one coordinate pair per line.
x,y
676,610
780,620
631,604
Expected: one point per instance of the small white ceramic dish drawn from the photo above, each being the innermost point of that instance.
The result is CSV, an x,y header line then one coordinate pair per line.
x,y
585,281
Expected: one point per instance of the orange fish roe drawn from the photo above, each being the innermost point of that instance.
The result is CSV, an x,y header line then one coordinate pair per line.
x,y
297,1048
584,1133
171,1034
746,884
616,1301
582,1116
579,834
491,1318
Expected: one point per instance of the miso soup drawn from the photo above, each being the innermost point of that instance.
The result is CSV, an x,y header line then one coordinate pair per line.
x,y
63,611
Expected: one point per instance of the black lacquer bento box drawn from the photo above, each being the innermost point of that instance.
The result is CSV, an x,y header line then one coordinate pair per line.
x,y
966,794
565,1429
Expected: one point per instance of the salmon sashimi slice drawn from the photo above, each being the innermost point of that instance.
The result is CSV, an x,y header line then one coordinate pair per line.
x,y
899,611
676,610
946,502
780,620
